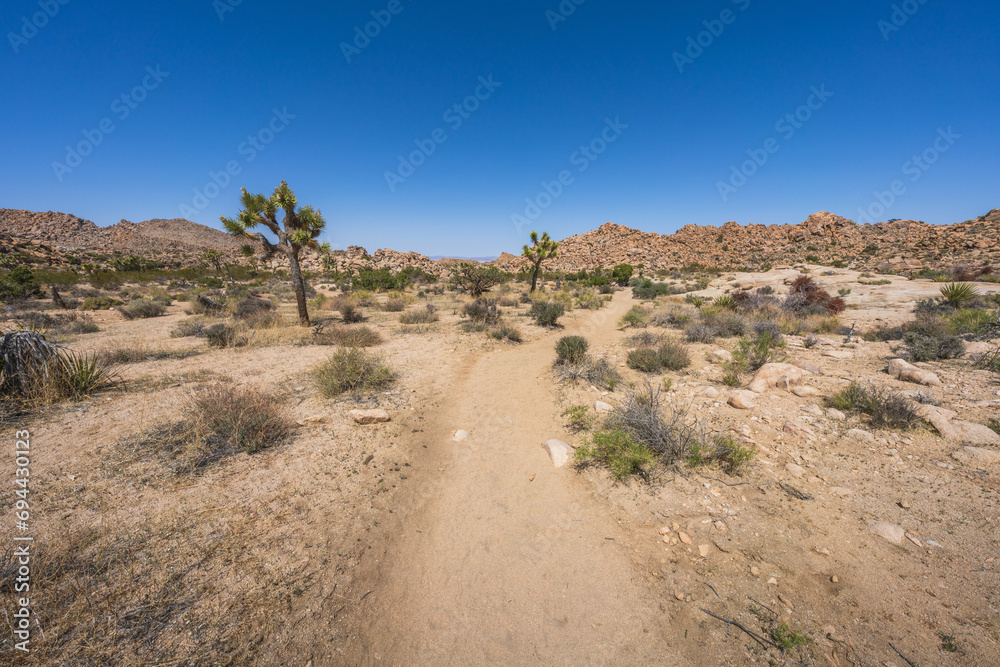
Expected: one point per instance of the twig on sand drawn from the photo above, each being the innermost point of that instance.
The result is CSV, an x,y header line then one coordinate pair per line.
x,y
762,605
908,661
793,492
713,589
760,640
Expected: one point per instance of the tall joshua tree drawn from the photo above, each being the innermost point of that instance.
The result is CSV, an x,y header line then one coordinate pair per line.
x,y
297,230
540,250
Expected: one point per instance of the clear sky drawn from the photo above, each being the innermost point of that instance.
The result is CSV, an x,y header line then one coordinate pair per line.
x,y
651,115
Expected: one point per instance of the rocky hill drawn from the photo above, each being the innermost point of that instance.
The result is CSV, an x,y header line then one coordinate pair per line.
x,y
905,246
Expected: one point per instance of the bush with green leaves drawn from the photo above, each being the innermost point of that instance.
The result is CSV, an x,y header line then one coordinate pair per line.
x,y
477,279
506,332
726,302
724,450
751,353
99,303
483,311
596,371
636,317
546,313
571,349
18,284
619,451
989,361
647,290
379,280
883,407
958,294
578,418
727,324
622,274
670,355
352,370
142,309
350,313
931,348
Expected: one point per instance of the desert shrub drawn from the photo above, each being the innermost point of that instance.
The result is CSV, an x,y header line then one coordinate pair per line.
x,y
701,333
883,407
727,324
920,347
671,355
618,450
75,325
482,311
726,302
189,327
605,289
724,450
990,361
547,313
598,372
348,336
253,307
142,309
806,297
644,339
590,300
506,332
18,284
811,341
351,313
83,374
508,302
34,370
477,279
647,290
241,417
379,280
994,424
99,303
970,320
419,316
769,329
957,294
751,353
226,336
571,349
353,370
394,306
674,316
636,317
578,418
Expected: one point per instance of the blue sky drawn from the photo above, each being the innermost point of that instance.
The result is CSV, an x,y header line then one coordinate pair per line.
x,y
651,115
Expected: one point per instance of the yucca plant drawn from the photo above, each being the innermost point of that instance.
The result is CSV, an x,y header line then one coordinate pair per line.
x,y
726,302
956,294
83,374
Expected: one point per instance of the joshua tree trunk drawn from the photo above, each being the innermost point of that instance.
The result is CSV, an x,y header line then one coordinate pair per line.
x,y
299,285
534,278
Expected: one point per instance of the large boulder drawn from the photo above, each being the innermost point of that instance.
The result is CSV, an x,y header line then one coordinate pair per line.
x,y
776,376
907,372
743,400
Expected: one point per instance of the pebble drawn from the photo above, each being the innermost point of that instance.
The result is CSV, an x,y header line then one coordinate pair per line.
x,y
755,571
835,579
366,417
905,505
795,470
704,550
461,435
890,532
684,537
772,581
721,526
785,601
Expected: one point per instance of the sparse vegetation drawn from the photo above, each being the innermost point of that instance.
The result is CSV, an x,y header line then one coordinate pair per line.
x,y
352,370
241,417
578,418
547,313
883,407
671,355
349,336
141,309
636,317
571,349
753,352
618,450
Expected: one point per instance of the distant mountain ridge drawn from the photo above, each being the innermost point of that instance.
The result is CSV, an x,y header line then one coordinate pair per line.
x,y
825,238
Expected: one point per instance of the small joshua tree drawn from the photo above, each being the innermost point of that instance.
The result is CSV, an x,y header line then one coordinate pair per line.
x,y
298,230
540,250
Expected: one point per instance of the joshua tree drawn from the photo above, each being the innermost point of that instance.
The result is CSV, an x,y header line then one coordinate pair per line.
x,y
298,230
540,250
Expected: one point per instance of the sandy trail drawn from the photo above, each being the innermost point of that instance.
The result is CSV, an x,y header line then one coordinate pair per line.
x,y
491,567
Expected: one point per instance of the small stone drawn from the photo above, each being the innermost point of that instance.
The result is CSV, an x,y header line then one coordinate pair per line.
x,y
805,392
836,415
367,417
684,537
721,526
679,595
704,550
813,411
461,435
316,419
905,505
710,392
665,530
795,470
755,571
772,581
559,452
785,601
907,372
861,435
743,400
888,531
602,407
835,579
776,376
821,550
798,429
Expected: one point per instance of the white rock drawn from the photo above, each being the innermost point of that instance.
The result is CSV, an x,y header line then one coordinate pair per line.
x,y
461,435
709,392
907,372
888,531
743,400
719,356
805,392
366,417
601,406
859,434
813,410
978,457
559,452
795,470
836,415
776,376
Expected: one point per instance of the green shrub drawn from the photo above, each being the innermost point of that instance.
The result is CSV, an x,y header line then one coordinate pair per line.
x,y
394,306
726,302
242,418
618,450
379,280
671,355
571,349
731,455
970,320
957,294
483,311
142,309
506,332
753,352
578,418
990,361
547,313
353,370
99,303
884,407
477,279
928,348
637,317
350,313
19,283
420,316
83,374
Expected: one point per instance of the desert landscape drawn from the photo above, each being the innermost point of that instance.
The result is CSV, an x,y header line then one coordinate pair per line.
x,y
675,464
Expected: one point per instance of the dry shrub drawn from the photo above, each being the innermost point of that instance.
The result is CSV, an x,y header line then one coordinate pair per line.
x,y
352,370
349,336
241,418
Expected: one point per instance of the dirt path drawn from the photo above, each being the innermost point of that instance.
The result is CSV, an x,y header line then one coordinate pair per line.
x,y
502,558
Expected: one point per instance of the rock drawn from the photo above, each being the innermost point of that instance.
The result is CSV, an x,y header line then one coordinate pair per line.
x,y
838,354
559,452
776,376
721,526
965,432
978,457
772,581
679,595
806,366
798,429
795,470
603,407
315,419
709,392
905,505
888,531
805,392
907,372
743,400
754,570
813,410
862,435
704,550
367,417
835,415
684,537
665,530
461,435
719,356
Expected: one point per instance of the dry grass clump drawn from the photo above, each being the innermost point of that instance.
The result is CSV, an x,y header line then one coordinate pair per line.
x,y
142,309
671,355
241,418
352,370
883,407
506,332
596,371
420,316
349,336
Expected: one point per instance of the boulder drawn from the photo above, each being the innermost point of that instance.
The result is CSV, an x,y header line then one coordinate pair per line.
x,y
559,452
803,391
806,366
709,392
366,417
601,406
977,457
719,356
907,372
861,435
836,415
838,354
795,428
776,376
965,432
743,400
